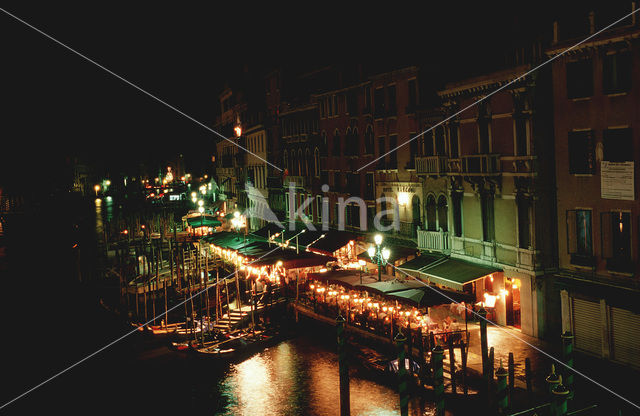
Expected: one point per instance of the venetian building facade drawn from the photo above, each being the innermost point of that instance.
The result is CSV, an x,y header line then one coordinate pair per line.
x,y
487,178
394,97
596,96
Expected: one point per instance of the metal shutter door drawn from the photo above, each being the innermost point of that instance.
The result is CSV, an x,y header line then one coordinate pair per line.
x,y
587,326
625,336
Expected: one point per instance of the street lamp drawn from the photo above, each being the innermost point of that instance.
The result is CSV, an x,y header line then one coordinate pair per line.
x,y
379,254
362,263
97,188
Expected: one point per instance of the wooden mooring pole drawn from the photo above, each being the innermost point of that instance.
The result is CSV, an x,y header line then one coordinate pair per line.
x,y
343,368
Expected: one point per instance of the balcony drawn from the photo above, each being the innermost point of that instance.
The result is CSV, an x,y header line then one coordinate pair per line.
x,y
300,181
274,182
519,165
481,165
433,240
431,165
227,161
454,166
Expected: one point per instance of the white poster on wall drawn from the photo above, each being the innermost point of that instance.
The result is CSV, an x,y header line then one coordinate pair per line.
x,y
616,180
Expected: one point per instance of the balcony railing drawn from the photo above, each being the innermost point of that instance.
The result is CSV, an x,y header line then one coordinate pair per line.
x,y
433,240
431,165
454,166
519,165
483,164
300,181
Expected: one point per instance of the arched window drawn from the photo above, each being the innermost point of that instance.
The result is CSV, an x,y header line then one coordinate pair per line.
x,y
439,139
292,162
285,161
348,138
308,163
300,163
354,142
316,164
324,144
415,209
383,208
336,143
368,140
442,213
431,213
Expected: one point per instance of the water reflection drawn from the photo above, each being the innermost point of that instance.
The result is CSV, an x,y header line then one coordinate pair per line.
x,y
299,377
99,223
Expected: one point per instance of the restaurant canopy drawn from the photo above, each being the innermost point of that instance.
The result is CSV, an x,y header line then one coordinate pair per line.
x,y
203,221
389,286
395,253
292,260
413,266
318,241
455,273
332,241
229,240
345,278
429,296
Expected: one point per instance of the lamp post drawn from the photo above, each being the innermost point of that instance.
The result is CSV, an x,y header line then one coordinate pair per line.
x,y
379,254
362,263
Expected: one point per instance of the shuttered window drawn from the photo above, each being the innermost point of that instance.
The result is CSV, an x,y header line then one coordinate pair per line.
x,y
617,145
616,73
580,79
579,237
581,152
616,240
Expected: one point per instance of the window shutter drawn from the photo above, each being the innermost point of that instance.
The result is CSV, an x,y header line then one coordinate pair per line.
x,y
572,240
606,233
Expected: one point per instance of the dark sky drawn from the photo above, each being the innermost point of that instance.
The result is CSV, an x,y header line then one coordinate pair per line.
x,y
54,103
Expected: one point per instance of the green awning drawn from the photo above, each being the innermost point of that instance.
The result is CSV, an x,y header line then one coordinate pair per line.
x,y
203,222
454,273
430,296
396,253
229,240
411,296
420,262
390,286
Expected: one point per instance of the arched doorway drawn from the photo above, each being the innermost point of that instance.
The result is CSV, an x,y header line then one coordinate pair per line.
x,y
431,213
443,213
415,209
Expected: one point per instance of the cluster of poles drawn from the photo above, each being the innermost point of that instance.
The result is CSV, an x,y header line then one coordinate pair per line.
x,y
168,271
498,384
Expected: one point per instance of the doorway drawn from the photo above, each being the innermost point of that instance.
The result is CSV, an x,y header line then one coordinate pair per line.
x,y
512,301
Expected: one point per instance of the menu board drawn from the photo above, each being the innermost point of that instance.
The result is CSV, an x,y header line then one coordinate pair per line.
x,y
616,180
